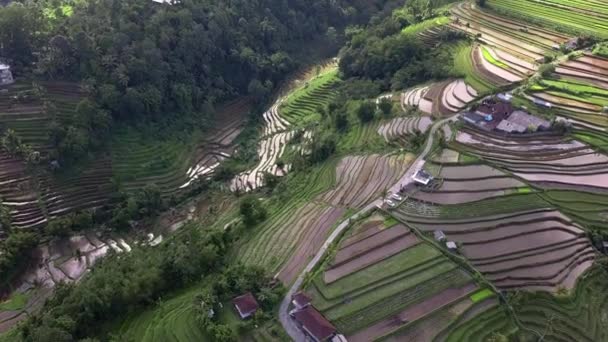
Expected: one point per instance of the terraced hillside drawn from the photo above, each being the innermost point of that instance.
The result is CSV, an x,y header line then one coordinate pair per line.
x,y
576,92
298,227
384,282
548,161
291,111
580,316
439,99
510,50
580,17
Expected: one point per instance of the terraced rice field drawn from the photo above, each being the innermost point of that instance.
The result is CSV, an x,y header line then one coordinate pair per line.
x,y
382,279
549,162
220,144
299,227
578,92
56,262
360,179
173,320
138,160
535,249
516,40
401,127
469,183
28,109
300,108
580,17
440,99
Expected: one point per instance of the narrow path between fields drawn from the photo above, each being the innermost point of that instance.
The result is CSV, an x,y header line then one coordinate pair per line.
x,y
288,323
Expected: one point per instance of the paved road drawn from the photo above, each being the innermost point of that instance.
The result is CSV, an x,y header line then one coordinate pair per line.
x,y
288,324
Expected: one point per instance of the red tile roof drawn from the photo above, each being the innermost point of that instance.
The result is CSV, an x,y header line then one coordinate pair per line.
x,y
246,304
314,323
302,299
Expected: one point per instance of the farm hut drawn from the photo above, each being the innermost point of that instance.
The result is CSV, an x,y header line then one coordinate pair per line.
x,y
6,76
422,177
300,300
314,325
439,235
245,305
451,245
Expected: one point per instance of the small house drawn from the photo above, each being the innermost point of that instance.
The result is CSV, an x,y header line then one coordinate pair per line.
x,y
314,325
245,305
439,236
422,177
6,76
300,300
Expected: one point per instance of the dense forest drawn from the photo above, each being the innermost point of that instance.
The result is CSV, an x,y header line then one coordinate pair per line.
x,y
141,60
383,54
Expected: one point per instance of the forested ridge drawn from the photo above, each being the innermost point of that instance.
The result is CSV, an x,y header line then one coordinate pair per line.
x,y
141,60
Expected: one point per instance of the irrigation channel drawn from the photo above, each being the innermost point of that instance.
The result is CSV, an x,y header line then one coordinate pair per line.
x,y
288,323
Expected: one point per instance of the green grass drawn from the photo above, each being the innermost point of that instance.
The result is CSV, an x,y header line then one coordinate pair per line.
x,y
398,263
16,301
484,327
173,320
360,313
494,206
488,56
300,108
524,190
139,159
266,245
547,14
481,295
580,316
463,65
425,25
390,221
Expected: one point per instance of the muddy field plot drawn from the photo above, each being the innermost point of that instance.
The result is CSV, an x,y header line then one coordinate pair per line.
x,y
536,250
368,289
469,183
361,179
402,127
554,163
438,99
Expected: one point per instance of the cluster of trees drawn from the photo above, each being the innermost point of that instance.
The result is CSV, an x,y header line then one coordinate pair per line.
x,y
14,146
142,60
137,205
122,283
252,211
14,253
381,53
232,282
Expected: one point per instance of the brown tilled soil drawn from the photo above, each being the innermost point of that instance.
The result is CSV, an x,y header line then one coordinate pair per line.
x,y
366,230
310,243
447,198
412,313
362,246
372,257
